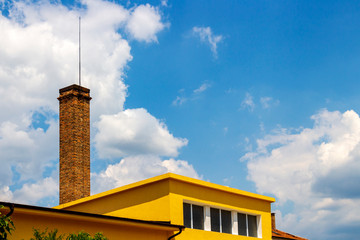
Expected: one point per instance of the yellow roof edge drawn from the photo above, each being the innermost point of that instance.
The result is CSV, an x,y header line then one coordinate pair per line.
x,y
163,177
220,187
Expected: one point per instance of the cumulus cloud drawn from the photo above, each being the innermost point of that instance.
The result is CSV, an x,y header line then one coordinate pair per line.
x,y
135,131
33,192
144,23
47,60
26,151
136,168
316,169
39,54
206,35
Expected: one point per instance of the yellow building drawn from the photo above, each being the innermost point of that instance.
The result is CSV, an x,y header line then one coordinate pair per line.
x,y
207,210
157,208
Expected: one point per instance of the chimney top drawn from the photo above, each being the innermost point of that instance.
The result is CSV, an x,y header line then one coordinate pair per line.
x,y
74,87
74,90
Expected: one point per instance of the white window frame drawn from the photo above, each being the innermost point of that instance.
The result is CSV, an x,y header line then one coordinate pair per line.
x,y
234,219
235,229
207,219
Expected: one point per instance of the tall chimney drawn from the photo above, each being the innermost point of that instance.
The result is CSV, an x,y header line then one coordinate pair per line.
x,y
74,115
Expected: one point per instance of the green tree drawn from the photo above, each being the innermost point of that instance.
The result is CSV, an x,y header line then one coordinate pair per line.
x,y
86,236
53,235
6,224
45,235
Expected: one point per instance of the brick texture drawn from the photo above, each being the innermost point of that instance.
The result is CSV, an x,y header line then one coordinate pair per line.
x,y
74,104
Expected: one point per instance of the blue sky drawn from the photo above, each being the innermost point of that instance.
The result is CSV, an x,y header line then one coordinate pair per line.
x,y
256,95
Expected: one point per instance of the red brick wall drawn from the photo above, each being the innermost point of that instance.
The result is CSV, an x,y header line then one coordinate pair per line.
x,y
74,143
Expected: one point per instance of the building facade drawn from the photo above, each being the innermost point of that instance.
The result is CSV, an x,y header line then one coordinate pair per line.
x,y
207,210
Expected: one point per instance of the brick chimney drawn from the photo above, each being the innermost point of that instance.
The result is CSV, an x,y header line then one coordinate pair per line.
x,y
74,118
273,223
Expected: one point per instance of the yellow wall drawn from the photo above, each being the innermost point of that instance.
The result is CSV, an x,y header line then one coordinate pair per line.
x,y
26,221
190,234
145,202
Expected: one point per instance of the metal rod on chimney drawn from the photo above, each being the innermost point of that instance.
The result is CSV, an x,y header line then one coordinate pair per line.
x,y
79,50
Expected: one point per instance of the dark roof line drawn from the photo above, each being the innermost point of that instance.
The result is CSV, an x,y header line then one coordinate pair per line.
x,y
84,214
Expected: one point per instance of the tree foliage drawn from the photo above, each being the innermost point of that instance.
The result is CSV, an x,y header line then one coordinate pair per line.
x,y
6,225
86,236
45,235
53,235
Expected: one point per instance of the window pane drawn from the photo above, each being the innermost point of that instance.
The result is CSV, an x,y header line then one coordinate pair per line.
x,y
226,221
215,219
187,215
198,217
252,222
242,224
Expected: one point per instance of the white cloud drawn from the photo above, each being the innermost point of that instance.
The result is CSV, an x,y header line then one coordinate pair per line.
x,y
28,151
144,23
179,101
136,168
5,194
164,3
180,167
206,35
317,170
132,132
25,153
202,88
39,54
196,94
32,193
267,102
248,102
47,60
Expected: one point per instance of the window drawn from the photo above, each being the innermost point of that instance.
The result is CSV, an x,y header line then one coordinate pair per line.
x,y
247,225
225,221
242,225
187,215
220,220
252,226
215,219
198,217
193,216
